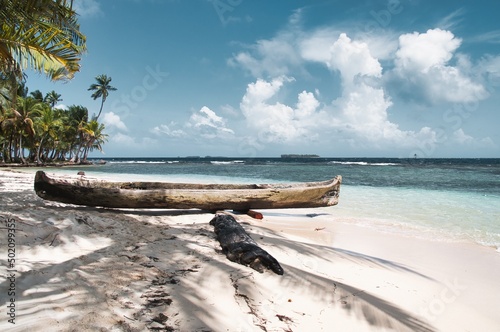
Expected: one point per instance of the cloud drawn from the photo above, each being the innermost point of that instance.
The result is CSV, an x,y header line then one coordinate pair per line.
x,y
208,124
492,37
452,20
132,142
378,73
123,139
269,57
352,58
422,70
462,138
168,130
359,117
111,119
361,112
277,122
421,52
490,66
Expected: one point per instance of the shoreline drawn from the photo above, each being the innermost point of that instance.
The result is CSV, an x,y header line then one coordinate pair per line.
x,y
139,269
44,165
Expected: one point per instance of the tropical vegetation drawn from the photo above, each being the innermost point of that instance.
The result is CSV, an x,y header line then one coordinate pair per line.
x,y
34,131
44,36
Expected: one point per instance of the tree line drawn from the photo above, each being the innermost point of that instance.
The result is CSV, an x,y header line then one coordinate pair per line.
x,y
33,130
44,36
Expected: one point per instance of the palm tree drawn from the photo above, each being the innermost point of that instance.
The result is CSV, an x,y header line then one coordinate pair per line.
x,y
37,94
94,137
42,35
71,131
52,98
47,124
7,130
26,110
5,93
101,90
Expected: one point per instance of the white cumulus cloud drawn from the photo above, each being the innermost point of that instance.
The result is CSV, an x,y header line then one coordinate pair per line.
x,y
422,51
277,122
423,69
353,58
111,119
208,124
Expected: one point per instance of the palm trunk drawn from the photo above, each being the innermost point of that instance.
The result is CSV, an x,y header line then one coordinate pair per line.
x,y
100,110
38,161
21,150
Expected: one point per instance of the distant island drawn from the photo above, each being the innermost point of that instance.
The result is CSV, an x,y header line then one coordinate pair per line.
x,y
299,156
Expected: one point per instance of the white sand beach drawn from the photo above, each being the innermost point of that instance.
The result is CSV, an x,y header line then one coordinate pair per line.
x,y
94,269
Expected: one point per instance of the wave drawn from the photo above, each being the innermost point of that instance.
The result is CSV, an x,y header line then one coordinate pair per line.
x,y
137,162
362,163
216,162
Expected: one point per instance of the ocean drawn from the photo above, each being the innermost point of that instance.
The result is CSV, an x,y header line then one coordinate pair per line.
x,y
440,199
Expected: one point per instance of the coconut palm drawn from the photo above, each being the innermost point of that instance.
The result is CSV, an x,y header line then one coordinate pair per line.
x,y
24,113
94,137
47,125
37,94
70,131
52,98
5,93
101,89
7,131
42,35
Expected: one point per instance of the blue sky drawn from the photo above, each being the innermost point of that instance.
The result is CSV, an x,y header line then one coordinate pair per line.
x,y
259,78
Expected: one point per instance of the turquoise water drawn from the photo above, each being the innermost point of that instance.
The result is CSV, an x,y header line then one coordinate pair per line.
x,y
443,199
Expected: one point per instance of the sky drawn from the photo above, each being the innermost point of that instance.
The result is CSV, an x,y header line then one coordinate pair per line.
x,y
256,78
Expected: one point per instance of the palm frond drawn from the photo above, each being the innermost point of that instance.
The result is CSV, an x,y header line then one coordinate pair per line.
x,y
49,41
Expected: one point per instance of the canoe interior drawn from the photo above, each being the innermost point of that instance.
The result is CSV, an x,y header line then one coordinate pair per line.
x,y
138,185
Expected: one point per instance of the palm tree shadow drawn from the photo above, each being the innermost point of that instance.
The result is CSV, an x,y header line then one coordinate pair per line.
x,y
134,274
374,310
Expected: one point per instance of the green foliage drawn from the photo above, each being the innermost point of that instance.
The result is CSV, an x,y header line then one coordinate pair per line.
x,y
44,35
47,134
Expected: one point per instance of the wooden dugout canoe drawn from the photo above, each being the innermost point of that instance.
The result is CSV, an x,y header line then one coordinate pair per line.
x,y
163,195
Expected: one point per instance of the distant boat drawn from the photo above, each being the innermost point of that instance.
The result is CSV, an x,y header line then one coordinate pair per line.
x,y
164,195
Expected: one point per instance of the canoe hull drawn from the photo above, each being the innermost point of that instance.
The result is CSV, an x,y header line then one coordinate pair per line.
x,y
160,195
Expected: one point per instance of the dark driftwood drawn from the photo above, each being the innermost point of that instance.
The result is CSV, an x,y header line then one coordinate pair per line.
x,y
240,247
162,195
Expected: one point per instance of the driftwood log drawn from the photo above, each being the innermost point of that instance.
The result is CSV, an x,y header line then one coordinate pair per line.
x,y
239,247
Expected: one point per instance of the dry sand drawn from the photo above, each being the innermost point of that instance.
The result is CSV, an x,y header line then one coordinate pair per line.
x,y
93,269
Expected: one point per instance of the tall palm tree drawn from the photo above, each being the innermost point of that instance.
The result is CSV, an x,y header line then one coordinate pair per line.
x,y
47,124
26,110
101,90
52,98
